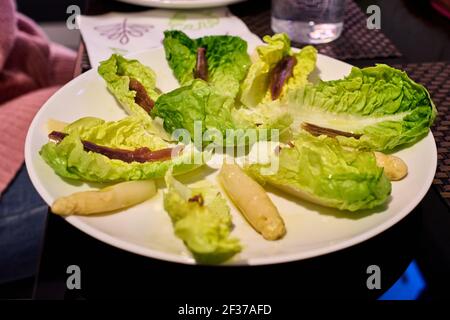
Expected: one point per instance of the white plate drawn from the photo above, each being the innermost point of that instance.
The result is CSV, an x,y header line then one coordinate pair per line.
x,y
146,228
182,4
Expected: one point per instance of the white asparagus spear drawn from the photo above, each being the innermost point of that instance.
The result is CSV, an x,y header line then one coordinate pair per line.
x,y
111,198
394,167
252,201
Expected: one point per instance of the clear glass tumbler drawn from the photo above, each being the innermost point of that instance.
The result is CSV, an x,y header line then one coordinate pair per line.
x,y
309,21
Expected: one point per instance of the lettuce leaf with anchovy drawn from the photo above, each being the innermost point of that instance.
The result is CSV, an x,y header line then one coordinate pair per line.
x,y
120,74
69,157
375,108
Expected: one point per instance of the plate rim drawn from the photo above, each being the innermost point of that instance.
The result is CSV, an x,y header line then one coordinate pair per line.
x,y
176,258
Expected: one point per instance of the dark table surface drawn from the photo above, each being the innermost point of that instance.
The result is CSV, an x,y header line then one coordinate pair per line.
x,y
423,236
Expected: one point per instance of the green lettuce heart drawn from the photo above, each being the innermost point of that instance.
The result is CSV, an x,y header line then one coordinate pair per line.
x,y
204,225
320,170
381,104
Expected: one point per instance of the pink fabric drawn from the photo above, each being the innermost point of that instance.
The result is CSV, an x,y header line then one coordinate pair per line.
x,y
442,6
31,70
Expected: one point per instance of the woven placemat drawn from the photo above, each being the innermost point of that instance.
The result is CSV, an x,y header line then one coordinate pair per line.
x,y
356,41
435,77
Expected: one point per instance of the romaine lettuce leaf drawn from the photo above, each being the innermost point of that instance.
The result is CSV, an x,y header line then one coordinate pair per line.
x,y
213,102
181,54
69,159
117,71
269,116
201,218
255,88
226,56
212,110
320,170
380,103
256,83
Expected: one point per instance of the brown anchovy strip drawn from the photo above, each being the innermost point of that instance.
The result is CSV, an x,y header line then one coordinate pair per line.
x,y
280,74
141,98
57,136
317,131
138,155
201,67
197,198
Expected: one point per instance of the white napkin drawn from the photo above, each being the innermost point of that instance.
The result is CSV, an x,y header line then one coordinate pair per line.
x,y
130,32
